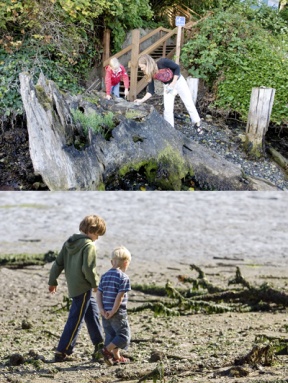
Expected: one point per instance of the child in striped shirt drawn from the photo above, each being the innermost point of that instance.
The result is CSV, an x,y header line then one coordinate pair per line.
x,y
112,299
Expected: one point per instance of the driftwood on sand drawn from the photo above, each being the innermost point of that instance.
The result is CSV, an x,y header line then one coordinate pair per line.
x,y
140,140
202,296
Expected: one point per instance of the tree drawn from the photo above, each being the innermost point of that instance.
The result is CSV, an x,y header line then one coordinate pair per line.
x,y
60,38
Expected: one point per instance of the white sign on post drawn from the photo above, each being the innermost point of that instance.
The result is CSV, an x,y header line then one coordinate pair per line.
x,y
180,21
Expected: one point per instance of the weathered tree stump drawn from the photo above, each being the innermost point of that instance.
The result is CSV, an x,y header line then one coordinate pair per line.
x,y
261,103
140,140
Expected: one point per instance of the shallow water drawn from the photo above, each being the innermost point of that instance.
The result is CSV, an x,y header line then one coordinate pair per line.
x,y
154,226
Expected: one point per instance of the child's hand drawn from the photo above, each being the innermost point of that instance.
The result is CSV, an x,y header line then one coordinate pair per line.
x,y
109,314
52,289
108,97
103,313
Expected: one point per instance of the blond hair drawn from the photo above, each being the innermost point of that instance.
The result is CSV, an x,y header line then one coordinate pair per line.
x,y
120,254
114,63
151,66
93,224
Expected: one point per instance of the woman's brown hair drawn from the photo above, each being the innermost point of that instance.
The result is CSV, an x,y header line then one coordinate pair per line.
x,y
151,66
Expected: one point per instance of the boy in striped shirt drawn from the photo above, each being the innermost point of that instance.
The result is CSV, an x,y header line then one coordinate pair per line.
x,y
112,300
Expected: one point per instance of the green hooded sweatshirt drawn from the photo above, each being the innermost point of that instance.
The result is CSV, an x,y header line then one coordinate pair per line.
x,y
78,259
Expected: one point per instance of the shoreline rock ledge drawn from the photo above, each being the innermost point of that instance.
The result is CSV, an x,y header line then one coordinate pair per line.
x,y
140,140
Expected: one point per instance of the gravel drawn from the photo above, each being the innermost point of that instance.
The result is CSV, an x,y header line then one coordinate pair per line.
x,y
227,142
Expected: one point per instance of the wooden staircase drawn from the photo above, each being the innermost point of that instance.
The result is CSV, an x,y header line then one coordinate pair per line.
x,y
159,43
156,55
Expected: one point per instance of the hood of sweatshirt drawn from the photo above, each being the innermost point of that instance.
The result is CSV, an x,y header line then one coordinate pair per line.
x,y
76,242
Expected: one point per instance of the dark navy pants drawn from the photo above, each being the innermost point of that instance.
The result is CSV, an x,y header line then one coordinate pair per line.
x,y
84,308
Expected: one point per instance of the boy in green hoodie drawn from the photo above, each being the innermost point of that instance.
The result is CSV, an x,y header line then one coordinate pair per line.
x,y
78,260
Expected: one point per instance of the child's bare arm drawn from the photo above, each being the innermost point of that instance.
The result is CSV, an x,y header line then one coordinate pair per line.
x,y
100,304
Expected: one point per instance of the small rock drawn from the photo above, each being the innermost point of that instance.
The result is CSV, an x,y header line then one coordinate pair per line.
x,y
16,360
156,356
26,325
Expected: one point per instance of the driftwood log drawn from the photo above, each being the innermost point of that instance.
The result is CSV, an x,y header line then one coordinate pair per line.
x,y
216,300
140,140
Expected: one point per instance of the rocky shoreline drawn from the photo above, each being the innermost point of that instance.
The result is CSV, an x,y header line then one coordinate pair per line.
x,y
227,143
16,169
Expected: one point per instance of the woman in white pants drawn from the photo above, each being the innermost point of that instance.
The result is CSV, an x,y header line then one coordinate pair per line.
x,y
168,72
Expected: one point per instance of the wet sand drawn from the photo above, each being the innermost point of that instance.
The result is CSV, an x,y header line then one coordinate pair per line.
x,y
161,229
185,227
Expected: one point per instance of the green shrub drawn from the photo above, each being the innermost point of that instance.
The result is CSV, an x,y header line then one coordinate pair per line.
x,y
235,50
34,59
266,68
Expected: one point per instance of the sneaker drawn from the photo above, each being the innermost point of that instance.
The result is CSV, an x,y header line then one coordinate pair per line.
x,y
60,357
108,356
97,351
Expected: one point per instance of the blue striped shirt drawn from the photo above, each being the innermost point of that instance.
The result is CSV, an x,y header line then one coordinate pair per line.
x,y
113,282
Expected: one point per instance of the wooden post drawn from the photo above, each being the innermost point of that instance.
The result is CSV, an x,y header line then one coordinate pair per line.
x,y
106,48
134,64
164,49
178,44
180,22
106,44
193,86
261,103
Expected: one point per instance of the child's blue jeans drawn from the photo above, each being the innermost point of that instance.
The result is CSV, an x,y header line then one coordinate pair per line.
x,y
116,90
117,329
84,308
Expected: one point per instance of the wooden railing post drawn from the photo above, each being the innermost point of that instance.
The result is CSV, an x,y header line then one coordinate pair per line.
x,y
134,64
178,44
261,103
106,48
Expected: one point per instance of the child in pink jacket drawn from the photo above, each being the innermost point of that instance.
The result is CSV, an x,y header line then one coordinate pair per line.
x,y
115,73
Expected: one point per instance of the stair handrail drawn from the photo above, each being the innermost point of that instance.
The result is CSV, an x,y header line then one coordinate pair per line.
x,y
142,39
159,42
